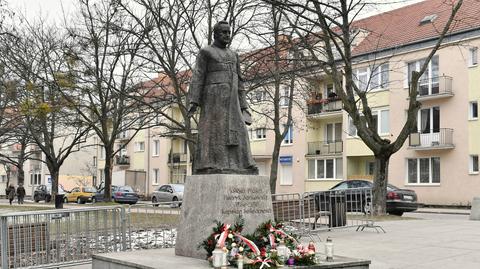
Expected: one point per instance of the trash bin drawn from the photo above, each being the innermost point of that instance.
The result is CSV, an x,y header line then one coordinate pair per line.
x,y
59,201
338,214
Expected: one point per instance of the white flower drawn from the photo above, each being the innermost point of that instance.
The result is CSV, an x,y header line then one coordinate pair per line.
x,y
234,244
230,236
240,249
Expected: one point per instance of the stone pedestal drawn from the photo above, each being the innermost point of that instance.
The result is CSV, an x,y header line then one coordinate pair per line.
x,y
220,197
475,210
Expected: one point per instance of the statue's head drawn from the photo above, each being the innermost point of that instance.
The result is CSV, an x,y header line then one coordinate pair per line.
x,y
221,33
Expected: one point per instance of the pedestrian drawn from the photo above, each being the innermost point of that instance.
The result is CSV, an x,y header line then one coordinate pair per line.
x,y
11,193
20,193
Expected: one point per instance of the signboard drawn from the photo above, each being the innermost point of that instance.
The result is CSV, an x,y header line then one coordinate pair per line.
x,y
286,159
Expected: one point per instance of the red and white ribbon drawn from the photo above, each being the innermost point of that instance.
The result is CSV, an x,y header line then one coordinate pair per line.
x,y
271,237
264,262
249,243
223,235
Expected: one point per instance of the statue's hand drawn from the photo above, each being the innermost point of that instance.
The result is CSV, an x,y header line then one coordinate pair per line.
x,y
192,110
247,116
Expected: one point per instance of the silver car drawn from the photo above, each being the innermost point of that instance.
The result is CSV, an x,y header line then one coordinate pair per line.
x,y
168,193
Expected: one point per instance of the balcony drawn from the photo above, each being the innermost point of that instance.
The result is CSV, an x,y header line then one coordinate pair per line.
x,y
437,139
435,88
324,108
325,147
122,160
178,158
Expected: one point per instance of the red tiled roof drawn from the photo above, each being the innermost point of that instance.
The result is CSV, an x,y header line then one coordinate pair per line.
x,y
162,85
402,26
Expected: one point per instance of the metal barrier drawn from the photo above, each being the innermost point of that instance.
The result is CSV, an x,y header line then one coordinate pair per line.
x,y
334,209
53,238
153,225
323,210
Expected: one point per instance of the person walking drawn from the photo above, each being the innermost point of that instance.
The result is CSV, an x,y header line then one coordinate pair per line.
x,y
11,193
20,193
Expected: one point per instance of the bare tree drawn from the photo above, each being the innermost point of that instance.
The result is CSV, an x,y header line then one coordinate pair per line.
x,y
103,60
34,55
273,74
331,48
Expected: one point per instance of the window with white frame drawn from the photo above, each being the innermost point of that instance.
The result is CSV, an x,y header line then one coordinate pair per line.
x,y
259,96
429,82
139,146
288,138
473,164
323,169
423,170
286,177
35,179
381,118
155,175
260,133
429,120
284,95
102,153
473,110
156,148
473,56
372,77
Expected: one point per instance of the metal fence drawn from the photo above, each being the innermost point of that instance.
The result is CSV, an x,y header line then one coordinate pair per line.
x,y
324,210
53,238
152,226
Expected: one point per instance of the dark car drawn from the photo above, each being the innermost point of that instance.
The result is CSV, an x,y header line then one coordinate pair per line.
x,y
357,194
125,194
42,193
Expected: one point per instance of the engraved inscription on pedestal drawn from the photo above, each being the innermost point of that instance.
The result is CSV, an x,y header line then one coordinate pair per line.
x,y
220,197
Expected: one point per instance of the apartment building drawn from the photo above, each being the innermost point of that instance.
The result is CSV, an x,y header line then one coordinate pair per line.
x,y
439,161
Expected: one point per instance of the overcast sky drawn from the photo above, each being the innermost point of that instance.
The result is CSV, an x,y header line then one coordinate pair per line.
x,y
53,9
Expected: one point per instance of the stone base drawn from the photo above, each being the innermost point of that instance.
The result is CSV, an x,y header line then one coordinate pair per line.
x,y
221,197
475,210
166,259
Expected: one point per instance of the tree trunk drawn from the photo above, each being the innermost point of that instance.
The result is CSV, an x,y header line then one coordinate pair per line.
x,y
274,166
20,174
54,174
380,185
108,175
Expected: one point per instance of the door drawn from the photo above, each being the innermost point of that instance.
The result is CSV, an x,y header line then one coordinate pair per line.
x,y
429,126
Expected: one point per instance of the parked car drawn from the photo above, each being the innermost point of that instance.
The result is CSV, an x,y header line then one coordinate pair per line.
x,y
43,193
357,199
124,194
80,195
168,193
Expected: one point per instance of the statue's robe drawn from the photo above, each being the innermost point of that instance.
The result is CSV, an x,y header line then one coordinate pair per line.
x,y
216,86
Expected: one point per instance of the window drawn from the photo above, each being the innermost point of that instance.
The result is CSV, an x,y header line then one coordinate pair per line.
x,y
4,178
155,175
156,148
284,95
429,82
102,153
473,169
370,168
94,161
423,170
139,146
473,56
260,133
259,96
286,174
429,120
325,168
473,110
288,138
102,175
333,132
381,118
371,78
35,179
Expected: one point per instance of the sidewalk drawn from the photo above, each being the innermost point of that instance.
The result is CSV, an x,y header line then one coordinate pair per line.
x,y
438,210
430,241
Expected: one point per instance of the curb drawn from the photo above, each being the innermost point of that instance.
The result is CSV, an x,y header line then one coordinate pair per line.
x,y
442,212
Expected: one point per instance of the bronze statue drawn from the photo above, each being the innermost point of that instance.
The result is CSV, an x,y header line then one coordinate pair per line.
x,y
216,87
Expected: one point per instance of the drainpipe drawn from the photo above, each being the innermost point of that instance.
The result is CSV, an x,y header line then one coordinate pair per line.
x,y
148,164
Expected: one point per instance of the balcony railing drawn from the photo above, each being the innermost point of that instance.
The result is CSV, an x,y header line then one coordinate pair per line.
x,y
325,147
434,139
323,106
178,158
123,135
122,160
436,87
